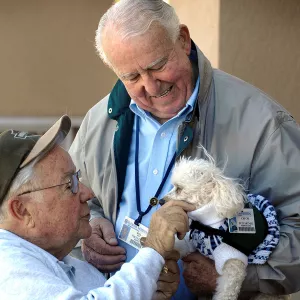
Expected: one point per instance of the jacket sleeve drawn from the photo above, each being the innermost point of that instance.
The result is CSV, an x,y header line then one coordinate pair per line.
x,y
77,152
275,173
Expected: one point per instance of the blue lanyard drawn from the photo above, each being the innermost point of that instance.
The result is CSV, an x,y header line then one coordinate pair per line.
x,y
137,182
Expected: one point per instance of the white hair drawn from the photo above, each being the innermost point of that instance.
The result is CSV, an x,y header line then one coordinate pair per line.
x,y
24,179
134,17
200,181
20,184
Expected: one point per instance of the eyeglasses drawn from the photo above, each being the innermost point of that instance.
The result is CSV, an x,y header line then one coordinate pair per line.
x,y
73,183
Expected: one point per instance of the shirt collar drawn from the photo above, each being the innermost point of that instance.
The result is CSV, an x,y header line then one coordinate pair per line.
x,y
67,268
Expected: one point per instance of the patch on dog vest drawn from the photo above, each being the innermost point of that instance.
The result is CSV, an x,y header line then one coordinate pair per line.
x,y
246,243
243,222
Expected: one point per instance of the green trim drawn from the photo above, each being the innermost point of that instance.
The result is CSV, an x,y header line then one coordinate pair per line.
x,y
118,102
185,139
118,109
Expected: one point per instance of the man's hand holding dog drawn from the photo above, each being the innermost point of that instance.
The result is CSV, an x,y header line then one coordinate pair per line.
x,y
169,220
168,282
165,223
200,274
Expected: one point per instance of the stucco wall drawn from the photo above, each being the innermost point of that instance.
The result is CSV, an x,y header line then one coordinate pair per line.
x,y
256,40
48,64
202,18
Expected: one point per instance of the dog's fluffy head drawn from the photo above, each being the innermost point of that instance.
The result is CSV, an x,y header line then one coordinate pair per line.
x,y
200,182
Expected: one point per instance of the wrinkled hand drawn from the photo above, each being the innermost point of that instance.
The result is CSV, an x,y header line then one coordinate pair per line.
x,y
167,283
169,220
200,274
101,248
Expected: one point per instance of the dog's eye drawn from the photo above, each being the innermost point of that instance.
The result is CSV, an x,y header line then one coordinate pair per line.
x,y
178,189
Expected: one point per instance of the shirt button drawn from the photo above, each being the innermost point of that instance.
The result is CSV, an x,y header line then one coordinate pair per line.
x,y
163,134
155,171
186,138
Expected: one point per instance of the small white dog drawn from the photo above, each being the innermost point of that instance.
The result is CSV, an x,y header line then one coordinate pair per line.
x,y
216,198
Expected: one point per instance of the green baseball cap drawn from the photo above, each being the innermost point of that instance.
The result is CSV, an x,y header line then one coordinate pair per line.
x,y
18,149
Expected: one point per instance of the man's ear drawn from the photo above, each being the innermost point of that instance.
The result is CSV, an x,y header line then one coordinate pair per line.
x,y
185,39
19,211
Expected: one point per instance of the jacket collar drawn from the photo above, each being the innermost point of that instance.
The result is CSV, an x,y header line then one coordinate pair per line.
x,y
119,101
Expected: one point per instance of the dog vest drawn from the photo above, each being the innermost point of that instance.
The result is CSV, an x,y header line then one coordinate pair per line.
x,y
257,246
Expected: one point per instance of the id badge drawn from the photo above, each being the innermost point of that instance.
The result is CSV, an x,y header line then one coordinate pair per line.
x,y
243,222
131,233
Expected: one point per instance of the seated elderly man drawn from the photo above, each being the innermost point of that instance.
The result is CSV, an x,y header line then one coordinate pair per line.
x,y
44,213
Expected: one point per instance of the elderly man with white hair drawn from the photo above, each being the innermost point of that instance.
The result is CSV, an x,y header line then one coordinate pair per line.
x,y
168,103
44,213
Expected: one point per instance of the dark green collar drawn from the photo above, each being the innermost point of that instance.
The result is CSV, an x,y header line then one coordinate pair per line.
x,y
118,101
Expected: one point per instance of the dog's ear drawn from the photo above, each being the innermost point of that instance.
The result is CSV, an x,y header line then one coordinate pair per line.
x,y
230,197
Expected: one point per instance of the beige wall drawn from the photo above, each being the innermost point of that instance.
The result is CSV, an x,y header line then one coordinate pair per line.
x,y
256,40
48,65
202,18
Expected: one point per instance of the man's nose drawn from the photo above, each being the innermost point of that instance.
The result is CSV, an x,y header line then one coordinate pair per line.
x,y
85,193
151,85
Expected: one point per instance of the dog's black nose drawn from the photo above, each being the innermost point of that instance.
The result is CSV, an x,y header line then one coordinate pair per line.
x,y
162,201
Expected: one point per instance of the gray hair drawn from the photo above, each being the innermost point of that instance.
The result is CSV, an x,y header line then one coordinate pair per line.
x,y
25,177
134,17
20,184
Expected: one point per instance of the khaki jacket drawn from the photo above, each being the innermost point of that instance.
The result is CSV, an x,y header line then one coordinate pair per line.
x,y
246,132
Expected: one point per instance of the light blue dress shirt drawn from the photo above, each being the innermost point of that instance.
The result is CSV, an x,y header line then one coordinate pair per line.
x,y
157,145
